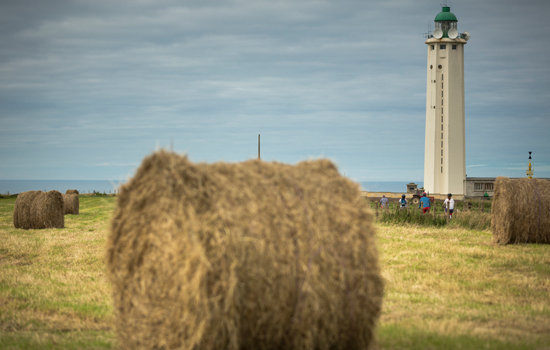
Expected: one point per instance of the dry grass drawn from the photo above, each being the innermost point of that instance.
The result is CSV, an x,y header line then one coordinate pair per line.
x,y
445,288
53,290
455,283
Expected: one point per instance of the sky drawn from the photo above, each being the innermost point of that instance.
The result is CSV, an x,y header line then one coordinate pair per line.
x,y
89,88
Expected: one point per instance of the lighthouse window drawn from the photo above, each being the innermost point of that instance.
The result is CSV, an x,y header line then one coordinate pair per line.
x,y
454,47
441,93
442,110
441,160
433,47
442,47
442,102
442,136
442,119
441,127
441,143
442,169
442,153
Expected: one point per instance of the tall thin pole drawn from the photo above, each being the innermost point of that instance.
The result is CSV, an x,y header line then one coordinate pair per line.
x,y
258,146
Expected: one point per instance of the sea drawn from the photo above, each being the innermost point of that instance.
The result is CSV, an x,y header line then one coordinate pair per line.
x,y
83,186
89,186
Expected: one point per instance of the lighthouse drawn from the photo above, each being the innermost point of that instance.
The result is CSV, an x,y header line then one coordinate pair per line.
x,y
445,149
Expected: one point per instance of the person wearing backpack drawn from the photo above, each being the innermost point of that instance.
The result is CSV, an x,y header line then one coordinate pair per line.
x,y
403,202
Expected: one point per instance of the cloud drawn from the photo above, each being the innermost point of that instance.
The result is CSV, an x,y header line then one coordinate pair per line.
x,y
118,164
101,83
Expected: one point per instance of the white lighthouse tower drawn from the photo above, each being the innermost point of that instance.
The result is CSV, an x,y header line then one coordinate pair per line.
x,y
445,150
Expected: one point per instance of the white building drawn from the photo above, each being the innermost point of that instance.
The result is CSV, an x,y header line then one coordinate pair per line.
x,y
445,149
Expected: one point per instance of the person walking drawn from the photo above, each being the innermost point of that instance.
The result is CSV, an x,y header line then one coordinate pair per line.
x,y
450,204
384,202
425,204
403,202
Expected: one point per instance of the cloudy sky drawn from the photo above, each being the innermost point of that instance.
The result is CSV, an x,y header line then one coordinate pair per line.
x,y
88,88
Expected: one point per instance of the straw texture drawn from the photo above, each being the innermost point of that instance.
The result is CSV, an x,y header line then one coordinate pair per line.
x,y
37,209
22,210
251,255
521,211
71,203
71,192
47,210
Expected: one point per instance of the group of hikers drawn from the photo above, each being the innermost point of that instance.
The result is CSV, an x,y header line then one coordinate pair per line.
x,y
425,204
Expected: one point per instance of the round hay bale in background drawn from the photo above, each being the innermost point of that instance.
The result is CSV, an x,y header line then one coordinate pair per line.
x,y
71,192
71,203
250,255
521,211
22,210
47,210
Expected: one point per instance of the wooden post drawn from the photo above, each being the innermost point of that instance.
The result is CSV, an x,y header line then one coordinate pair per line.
x,y
259,146
481,207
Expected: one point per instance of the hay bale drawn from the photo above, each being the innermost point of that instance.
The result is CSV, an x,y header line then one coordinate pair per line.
x,y
71,192
22,210
521,211
71,203
251,255
47,210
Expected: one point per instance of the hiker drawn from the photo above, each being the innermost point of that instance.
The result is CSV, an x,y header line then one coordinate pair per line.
x,y
403,202
449,203
424,204
384,202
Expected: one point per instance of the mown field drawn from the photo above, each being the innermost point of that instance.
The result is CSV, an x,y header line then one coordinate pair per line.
x,y
446,288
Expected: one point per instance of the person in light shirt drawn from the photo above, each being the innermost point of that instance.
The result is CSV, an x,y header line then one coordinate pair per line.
x,y
403,202
449,203
384,202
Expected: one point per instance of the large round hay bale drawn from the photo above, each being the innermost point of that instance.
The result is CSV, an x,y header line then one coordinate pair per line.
x,y
47,210
71,192
22,210
71,203
251,255
521,211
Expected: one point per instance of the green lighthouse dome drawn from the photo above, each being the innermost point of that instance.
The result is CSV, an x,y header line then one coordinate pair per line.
x,y
445,15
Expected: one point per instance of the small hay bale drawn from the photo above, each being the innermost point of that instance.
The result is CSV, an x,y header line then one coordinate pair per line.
x,y
71,192
521,211
71,203
22,210
47,210
250,255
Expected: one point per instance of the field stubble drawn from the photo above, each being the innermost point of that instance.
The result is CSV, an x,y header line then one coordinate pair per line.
x,y
446,288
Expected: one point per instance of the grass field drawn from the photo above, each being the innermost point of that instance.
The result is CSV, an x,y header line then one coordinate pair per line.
x,y
446,288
